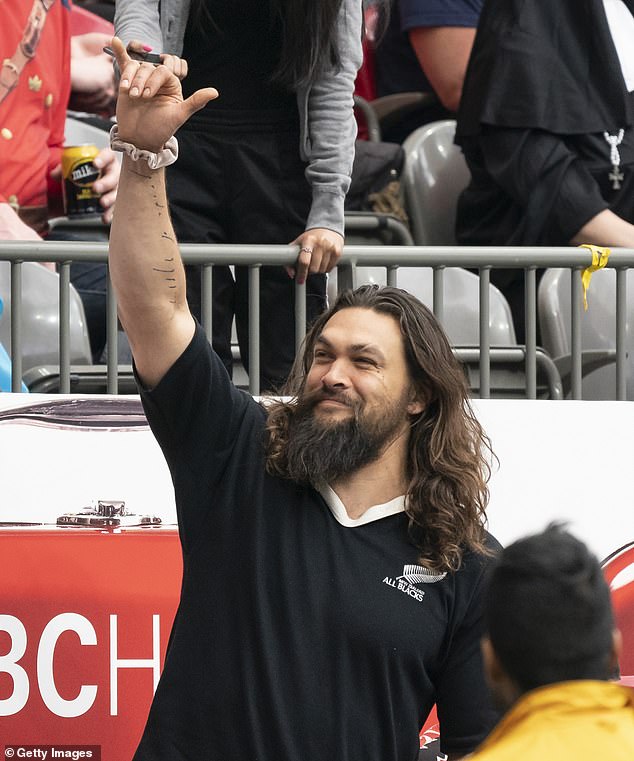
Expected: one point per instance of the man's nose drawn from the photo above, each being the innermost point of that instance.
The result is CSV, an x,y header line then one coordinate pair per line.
x,y
336,375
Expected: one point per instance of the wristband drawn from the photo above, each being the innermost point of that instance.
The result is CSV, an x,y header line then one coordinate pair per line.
x,y
167,156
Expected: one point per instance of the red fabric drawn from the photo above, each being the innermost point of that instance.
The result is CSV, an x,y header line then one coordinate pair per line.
x,y
365,84
83,21
37,129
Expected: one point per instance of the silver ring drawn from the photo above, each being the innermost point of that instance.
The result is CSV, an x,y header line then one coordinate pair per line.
x,y
306,249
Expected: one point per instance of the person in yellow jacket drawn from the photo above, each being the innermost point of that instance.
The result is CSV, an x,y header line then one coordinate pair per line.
x,y
550,650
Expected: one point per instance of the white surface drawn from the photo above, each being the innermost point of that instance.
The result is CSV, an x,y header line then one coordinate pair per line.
x,y
47,471
558,460
562,460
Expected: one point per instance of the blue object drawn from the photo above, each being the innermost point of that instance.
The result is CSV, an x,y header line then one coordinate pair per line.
x,y
5,367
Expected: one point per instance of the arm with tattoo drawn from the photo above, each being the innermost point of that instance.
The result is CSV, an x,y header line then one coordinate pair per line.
x,y
145,265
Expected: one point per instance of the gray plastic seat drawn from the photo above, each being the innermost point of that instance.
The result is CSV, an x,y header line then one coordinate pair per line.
x,y
598,329
40,317
461,301
461,322
434,175
77,132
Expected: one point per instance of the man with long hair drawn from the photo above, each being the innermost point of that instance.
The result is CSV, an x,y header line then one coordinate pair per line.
x,y
333,545
550,649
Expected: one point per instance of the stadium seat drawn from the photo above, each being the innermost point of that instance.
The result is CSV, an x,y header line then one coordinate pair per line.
x,y
435,174
598,328
77,132
40,318
461,301
461,322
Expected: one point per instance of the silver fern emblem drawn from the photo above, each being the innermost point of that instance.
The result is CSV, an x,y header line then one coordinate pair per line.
x,y
417,574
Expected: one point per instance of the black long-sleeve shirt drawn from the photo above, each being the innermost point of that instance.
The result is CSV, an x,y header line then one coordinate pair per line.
x,y
532,187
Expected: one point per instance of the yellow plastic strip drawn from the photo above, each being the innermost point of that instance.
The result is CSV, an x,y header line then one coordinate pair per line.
x,y
600,258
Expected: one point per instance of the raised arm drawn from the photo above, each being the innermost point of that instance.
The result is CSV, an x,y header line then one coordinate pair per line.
x,y
145,265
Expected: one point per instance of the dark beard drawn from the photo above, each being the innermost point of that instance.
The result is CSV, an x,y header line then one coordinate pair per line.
x,y
319,452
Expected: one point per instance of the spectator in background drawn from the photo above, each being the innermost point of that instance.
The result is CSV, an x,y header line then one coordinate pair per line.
x,y
551,647
104,9
92,74
425,48
270,160
546,125
35,82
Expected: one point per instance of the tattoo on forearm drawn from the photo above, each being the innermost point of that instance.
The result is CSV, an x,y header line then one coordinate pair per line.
x,y
169,269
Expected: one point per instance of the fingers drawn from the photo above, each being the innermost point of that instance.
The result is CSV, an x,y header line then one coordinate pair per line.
x,y
175,64
110,170
107,204
319,252
144,80
108,182
303,264
199,100
120,53
136,46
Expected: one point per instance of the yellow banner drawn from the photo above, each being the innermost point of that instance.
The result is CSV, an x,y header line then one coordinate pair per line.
x,y
600,258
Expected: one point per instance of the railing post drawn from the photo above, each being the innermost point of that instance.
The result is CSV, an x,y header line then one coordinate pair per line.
x,y
439,293
300,314
254,329
206,305
16,326
530,320
485,342
64,327
112,339
621,326
576,306
346,276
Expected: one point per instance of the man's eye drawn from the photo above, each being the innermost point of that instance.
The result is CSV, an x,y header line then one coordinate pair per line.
x,y
320,355
365,361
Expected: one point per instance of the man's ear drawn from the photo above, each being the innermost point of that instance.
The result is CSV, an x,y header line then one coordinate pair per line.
x,y
415,407
419,398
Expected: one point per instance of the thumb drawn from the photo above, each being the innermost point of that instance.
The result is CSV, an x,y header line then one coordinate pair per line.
x,y
199,100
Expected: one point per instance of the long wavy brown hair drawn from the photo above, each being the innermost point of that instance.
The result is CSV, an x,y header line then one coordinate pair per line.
x,y
449,461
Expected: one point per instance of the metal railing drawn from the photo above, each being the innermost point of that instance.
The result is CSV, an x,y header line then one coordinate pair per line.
x,y
482,259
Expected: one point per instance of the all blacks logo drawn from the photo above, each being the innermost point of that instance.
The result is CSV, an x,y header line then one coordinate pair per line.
x,y
84,173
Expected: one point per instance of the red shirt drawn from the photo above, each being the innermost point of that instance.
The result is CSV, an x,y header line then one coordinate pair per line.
x,y
33,114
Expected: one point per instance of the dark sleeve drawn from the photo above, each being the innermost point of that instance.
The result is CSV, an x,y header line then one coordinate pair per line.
x,y
544,176
465,709
439,13
197,415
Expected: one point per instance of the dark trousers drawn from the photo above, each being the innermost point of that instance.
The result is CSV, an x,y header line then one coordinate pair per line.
x,y
237,182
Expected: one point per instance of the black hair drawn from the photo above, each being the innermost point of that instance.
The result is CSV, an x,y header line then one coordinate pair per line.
x,y
548,612
308,37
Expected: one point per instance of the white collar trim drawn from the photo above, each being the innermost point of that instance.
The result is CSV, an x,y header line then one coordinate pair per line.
x,y
374,513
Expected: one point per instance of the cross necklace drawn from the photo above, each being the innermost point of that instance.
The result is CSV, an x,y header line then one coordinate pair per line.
x,y
615,176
